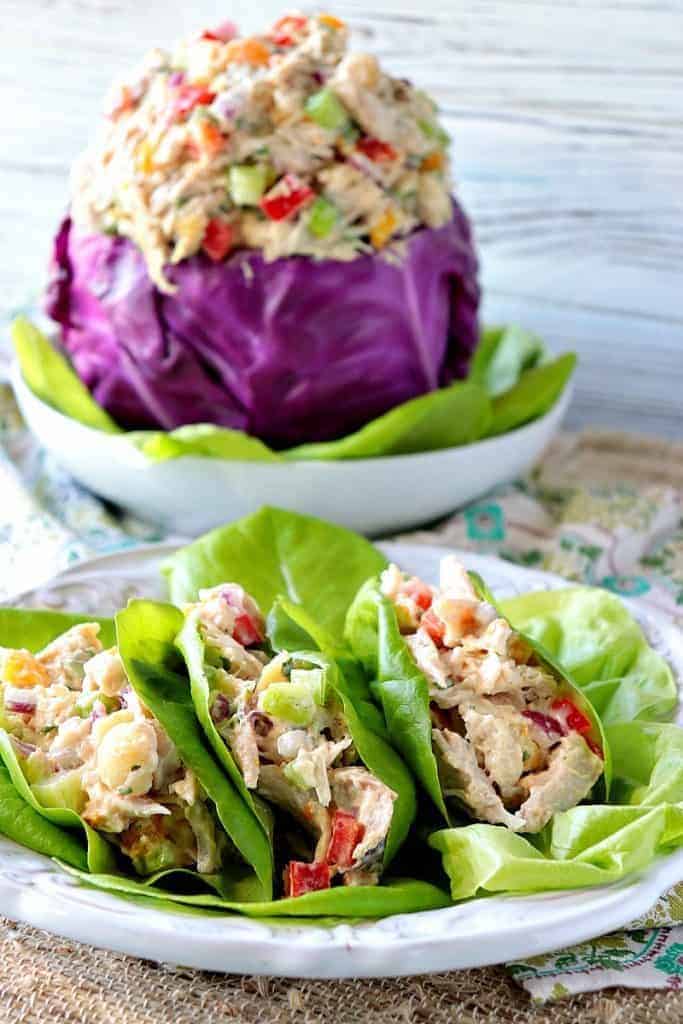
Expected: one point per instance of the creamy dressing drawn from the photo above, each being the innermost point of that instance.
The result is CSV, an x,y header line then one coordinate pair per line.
x,y
280,142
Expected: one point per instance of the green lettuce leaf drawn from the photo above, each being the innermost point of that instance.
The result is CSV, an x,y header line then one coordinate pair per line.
x,y
49,375
395,896
399,686
502,356
20,821
587,845
504,368
532,396
455,415
202,439
592,634
275,553
146,633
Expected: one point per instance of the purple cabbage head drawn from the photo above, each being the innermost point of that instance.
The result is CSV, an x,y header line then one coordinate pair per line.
x,y
289,351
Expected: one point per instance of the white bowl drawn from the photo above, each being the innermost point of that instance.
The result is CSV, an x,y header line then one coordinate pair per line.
x,y
192,494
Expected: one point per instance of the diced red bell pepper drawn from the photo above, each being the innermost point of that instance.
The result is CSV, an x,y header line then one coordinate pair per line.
x,y
375,149
247,631
285,29
217,243
301,877
347,832
547,723
290,197
418,592
574,718
222,33
433,625
187,97
125,102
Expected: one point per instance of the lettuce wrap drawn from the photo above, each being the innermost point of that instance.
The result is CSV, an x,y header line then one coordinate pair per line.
x,y
288,729
602,651
480,712
126,788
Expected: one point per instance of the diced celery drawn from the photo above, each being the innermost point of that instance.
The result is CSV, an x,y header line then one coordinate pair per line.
x,y
86,703
247,183
432,130
325,109
322,218
292,773
311,678
291,702
162,857
64,790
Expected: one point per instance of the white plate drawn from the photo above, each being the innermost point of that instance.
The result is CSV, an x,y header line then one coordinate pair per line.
x,y
471,934
192,494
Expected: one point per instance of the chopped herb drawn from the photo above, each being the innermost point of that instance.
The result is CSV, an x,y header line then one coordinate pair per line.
x,y
125,790
181,200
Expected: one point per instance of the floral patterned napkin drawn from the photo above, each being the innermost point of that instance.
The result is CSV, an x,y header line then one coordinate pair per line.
x,y
602,509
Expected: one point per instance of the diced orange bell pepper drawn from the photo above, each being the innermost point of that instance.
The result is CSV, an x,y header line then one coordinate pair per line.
x,y
21,669
248,51
210,138
383,229
145,157
331,21
125,102
433,162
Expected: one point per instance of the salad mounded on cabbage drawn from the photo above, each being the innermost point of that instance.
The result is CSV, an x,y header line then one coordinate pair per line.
x,y
262,237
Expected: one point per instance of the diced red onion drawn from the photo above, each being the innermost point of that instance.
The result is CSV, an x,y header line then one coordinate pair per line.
x,y
98,711
547,723
22,748
220,709
260,723
176,78
19,701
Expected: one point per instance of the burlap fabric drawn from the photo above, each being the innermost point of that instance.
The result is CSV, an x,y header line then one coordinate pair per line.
x,y
46,980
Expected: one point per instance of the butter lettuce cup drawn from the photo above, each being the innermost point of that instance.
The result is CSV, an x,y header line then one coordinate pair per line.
x,y
490,725
100,740
287,727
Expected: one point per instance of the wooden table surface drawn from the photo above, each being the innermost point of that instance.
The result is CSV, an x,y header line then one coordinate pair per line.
x,y
567,120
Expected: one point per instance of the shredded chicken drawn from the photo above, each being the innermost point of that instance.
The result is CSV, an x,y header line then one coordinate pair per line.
x,y
512,746
200,145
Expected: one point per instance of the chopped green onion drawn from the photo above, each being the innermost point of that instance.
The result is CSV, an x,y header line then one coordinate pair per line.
x,y
322,218
325,109
247,184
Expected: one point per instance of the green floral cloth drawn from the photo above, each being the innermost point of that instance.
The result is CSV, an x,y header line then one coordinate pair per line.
x,y
626,535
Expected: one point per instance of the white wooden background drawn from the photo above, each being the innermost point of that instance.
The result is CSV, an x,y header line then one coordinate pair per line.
x,y
567,120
